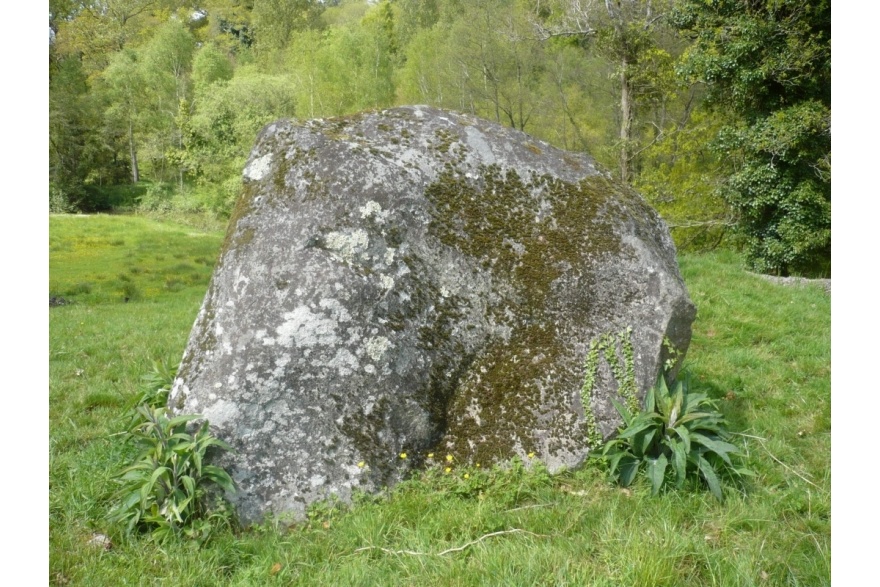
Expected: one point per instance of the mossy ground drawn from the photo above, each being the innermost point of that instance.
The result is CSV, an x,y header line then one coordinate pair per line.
x,y
762,349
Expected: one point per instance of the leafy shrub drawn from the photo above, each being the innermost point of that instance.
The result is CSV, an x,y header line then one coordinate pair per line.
x,y
169,490
678,428
59,202
157,386
157,198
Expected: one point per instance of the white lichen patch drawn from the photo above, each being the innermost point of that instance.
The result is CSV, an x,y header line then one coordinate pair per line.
x,y
221,412
344,362
346,246
259,167
387,282
389,255
178,389
307,329
373,210
377,346
337,311
517,247
478,145
473,411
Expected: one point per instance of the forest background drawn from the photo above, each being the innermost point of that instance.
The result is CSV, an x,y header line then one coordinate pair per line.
x,y
718,111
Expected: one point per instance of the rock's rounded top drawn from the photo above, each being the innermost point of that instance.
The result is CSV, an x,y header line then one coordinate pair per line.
x,y
416,138
417,279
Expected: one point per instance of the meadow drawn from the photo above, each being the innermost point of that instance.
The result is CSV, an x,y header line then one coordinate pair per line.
x,y
761,349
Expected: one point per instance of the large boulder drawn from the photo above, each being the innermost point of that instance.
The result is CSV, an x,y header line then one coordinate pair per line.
x,y
418,280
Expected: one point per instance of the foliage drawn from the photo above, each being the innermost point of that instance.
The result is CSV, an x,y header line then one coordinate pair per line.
x,y
633,36
59,202
274,22
767,65
154,91
156,198
681,177
210,65
168,489
620,363
678,435
157,385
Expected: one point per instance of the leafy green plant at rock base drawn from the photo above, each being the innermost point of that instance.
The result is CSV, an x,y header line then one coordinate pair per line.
x,y
168,489
675,428
157,385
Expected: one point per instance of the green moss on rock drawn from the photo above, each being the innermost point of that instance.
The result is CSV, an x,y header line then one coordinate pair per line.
x,y
527,232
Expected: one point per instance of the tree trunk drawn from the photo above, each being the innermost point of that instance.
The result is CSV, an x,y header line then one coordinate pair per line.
x,y
135,173
626,118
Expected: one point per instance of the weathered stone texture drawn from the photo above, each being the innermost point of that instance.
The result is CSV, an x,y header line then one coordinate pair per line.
x,y
416,280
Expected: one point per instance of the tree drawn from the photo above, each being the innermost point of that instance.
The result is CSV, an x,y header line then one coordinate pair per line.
x,y
485,61
76,152
123,85
768,64
275,21
500,60
167,60
96,29
348,67
210,65
626,33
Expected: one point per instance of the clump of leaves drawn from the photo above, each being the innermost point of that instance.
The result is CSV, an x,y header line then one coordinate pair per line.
x,y
678,436
169,490
157,385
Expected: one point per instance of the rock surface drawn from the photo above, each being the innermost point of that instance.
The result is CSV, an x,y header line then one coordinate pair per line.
x,y
419,280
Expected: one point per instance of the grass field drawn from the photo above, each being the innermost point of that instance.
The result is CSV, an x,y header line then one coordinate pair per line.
x,y
763,350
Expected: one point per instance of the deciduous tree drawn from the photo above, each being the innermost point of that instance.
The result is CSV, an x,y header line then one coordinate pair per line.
x,y
626,33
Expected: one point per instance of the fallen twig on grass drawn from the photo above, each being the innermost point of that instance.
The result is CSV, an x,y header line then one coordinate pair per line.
x,y
451,550
529,507
787,468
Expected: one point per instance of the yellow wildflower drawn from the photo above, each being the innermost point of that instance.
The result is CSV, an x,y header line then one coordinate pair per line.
x,y
449,458
361,465
403,455
448,469
430,455
466,476
531,455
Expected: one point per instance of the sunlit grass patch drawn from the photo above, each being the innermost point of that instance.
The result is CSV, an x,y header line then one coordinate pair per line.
x,y
107,259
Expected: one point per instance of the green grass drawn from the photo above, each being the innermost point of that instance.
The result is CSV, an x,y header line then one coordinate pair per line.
x,y
107,259
762,349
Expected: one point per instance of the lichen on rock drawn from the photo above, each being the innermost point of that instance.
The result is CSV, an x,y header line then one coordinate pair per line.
x,y
416,280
